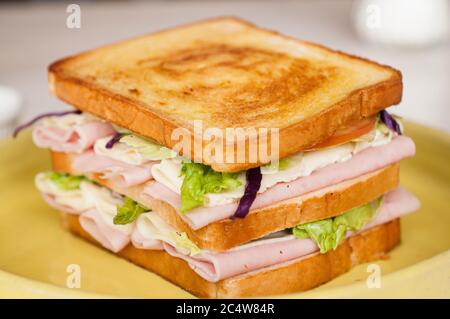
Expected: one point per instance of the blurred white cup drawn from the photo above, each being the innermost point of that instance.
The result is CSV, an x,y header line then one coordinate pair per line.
x,y
402,22
10,105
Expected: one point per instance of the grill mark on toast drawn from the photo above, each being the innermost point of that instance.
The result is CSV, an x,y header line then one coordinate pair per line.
x,y
270,81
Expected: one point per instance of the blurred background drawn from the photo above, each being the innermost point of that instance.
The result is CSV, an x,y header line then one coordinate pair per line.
x,y
411,35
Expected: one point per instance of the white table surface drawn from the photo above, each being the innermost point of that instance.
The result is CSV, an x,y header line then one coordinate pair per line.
x,y
34,34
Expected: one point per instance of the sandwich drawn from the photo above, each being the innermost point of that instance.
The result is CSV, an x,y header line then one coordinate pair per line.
x,y
311,187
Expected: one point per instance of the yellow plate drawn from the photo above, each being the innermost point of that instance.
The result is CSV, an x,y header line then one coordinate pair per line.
x,y
35,251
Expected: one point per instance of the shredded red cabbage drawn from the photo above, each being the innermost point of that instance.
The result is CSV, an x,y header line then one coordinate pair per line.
x,y
37,118
254,178
390,122
116,137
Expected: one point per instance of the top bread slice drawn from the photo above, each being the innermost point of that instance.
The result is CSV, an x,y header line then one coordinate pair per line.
x,y
228,73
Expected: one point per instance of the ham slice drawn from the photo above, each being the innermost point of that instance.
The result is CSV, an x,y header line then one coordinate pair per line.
x,y
49,199
120,173
395,204
368,160
110,238
141,242
214,266
217,266
77,139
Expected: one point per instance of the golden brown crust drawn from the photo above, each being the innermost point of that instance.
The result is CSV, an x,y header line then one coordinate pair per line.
x,y
288,101
294,276
225,234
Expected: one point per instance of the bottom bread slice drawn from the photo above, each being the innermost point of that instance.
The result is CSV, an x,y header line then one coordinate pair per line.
x,y
292,276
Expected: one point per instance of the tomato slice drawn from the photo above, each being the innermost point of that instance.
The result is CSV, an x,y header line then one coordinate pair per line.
x,y
347,134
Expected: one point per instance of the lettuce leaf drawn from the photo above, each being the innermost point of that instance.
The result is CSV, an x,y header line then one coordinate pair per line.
x,y
323,232
330,233
201,179
276,166
64,181
149,149
183,241
121,129
128,212
356,218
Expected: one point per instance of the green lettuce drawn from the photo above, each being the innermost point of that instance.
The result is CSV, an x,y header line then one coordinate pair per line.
x,y
64,181
128,211
121,129
183,241
280,165
147,148
380,126
201,179
323,232
330,233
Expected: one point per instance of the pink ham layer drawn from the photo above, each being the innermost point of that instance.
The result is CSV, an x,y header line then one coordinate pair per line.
x,y
74,140
263,253
217,266
92,222
49,199
120,173
108,237
141,242
125,175
368,160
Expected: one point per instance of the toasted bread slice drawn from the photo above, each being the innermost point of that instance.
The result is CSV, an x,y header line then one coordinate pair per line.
x,y
226,234
228,73
293,276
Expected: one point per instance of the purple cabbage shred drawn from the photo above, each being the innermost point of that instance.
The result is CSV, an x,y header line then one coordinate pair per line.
x,y
254,178
116,137
390,122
